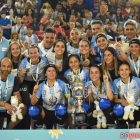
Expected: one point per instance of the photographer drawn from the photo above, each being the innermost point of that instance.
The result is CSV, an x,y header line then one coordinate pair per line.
x,y
7,7
20,6
60,32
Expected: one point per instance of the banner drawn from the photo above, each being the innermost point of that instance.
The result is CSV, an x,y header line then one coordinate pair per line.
x,y
79,134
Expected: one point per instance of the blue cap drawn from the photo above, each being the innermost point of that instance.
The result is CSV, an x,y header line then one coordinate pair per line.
x,y
61,110
85,106
33,111
118,109
104,103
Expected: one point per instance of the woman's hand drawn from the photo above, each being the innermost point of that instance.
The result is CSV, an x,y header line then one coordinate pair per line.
x,y
36,87
105,77
124,102
22,71
58,66
87,62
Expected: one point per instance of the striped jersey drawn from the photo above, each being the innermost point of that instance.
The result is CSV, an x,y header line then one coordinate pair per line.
x,y
31,69
52,95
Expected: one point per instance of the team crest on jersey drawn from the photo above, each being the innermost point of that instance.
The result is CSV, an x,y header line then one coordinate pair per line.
x,y
70,77
119,88
44,92
53,100
28,70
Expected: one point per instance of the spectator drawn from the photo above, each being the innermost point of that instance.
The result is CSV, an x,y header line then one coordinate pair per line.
x,y
103,14
8,6
135,18
79,19
112,8
15,38
62,20
126,11
72,25
20,28
119,31
48,21
95,9
58,8
66,9
135,4
114,26
87,22
132,13
4,44
40,31
6,25
46,10
60,32
34,4
118,16
30,36
11,17
29,18
26,7
79,6
20,4
108,30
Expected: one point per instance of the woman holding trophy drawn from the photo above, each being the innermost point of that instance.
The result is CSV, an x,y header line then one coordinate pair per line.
x,y
76,70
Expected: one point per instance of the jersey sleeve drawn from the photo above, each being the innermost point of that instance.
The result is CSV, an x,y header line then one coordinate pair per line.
x,y
137,81
115,88
45,59
87,75
117,53
23,62
16,85
23,38
39,92
36,38
87,86
111,86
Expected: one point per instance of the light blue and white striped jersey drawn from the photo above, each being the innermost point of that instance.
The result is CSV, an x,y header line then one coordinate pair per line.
x,y
32,39
101,54
52,96
83,75
96,91
121,88
22,32
71,50
137,64
32,69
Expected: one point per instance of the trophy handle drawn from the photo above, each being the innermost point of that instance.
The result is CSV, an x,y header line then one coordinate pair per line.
x,y
67,89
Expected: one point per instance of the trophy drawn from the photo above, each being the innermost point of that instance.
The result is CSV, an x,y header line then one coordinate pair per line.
x,y
78,93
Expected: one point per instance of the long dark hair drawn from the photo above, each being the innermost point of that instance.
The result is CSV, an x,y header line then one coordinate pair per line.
x,y
65,65
101,78
119,15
